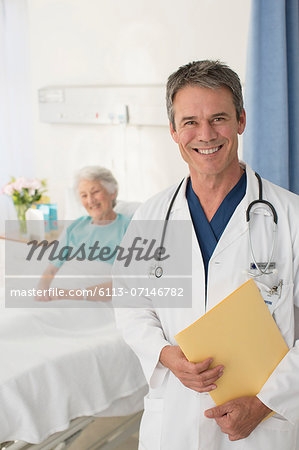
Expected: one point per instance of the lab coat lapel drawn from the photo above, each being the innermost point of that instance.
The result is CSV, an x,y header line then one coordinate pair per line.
x,y
237,225
228,266
180,211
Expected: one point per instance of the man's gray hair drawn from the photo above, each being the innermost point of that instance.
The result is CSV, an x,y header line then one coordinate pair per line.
x,y
97,173
206,73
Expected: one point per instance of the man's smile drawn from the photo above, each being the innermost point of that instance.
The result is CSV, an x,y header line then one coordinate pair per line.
x,y
207,151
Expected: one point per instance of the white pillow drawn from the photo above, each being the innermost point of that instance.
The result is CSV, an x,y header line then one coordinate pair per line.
x,y
73,208
126,208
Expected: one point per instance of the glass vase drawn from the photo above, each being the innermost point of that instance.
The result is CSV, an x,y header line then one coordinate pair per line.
x,y
21,214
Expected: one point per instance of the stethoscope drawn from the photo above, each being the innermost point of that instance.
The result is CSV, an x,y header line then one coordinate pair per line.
x,y
260,200
158,270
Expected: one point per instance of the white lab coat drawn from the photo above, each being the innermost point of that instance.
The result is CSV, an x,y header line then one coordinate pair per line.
x,y
173,414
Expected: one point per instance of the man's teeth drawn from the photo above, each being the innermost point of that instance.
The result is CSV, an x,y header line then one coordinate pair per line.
x,y
208,151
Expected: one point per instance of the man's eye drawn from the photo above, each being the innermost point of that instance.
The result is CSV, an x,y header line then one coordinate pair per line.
x,y
218,119
190,122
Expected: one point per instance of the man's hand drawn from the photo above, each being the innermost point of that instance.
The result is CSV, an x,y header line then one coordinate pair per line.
x,y
196,376
239,417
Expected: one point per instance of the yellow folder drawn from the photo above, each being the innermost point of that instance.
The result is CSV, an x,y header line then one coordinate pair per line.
x,y
241,334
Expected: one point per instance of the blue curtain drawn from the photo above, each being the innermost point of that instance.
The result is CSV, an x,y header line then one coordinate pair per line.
x,y
271,140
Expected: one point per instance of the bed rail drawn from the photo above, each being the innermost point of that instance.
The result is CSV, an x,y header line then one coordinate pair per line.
x,y
61,440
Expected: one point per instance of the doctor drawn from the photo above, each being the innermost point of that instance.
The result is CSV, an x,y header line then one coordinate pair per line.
x,y
205,110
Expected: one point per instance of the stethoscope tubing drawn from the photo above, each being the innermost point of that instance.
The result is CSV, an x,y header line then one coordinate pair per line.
x,y
261,200
275,220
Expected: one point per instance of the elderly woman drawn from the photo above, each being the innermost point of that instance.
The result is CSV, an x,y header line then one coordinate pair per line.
x,y
97,190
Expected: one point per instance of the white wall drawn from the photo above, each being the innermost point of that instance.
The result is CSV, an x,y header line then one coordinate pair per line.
x,y
81,42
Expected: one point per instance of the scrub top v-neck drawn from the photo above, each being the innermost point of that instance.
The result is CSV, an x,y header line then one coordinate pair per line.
x,y
209,233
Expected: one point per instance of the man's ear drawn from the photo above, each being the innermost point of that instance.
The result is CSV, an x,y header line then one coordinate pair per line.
x,y
242,122
173,133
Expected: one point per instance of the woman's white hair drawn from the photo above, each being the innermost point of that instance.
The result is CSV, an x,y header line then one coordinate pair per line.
x,y
97,173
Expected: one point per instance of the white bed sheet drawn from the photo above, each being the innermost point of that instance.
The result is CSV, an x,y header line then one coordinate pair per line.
x,y
58,364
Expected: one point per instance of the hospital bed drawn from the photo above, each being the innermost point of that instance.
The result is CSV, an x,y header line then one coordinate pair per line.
x,y
52,373
61,368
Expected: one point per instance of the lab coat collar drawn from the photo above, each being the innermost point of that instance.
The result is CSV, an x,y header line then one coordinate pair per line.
x,y
180,206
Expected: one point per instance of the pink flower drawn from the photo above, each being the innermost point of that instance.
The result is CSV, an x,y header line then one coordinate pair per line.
x,y
19,184
24,190
8,189
32,185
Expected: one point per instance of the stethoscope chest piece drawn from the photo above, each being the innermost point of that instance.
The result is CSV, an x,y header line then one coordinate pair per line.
x,y
155,271
158,272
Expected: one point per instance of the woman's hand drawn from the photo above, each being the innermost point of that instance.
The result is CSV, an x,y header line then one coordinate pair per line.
x,y
67,294
45,283
100,292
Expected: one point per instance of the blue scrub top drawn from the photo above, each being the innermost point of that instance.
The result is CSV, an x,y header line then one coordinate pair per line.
x,y
209,233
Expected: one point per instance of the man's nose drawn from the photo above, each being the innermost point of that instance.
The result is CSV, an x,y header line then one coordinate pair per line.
x,y
206,132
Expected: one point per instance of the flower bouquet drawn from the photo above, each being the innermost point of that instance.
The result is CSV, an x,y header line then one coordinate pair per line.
x,y
24,192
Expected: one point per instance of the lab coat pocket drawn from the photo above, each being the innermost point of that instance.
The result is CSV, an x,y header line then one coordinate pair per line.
x,y
277,422
271,295
151,424
278,296
275,433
